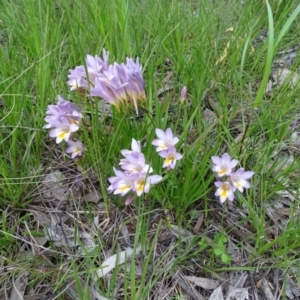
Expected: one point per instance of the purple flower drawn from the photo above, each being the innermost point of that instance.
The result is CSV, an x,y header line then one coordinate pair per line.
x,y
81,76
117,84
135,147
61,112
165,139
224,165
63,130
76,148
110,89
142,182
135,163
171,156
64,117
76,79
224,190
120,184
239,179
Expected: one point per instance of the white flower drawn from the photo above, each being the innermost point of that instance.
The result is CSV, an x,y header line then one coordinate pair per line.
x,y
165,139
64,131
76,148
120,184
224,165
239,181
135,147
142,182
135,163
171,156
224,190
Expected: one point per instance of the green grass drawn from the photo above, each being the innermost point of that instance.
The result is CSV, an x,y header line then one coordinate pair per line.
x,y
223,52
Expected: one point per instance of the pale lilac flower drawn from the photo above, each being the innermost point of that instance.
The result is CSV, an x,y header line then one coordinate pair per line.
x,y
239,179
121,84
105,90
61,112
136,85
224,165
224,190
183,94
171,156
135,163
82,76
63,130
135,147
120,184
142,182
165,139
76,79
76,148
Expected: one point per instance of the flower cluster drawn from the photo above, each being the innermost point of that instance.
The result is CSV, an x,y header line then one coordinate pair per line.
x,y
232,181
135,175
65,118
118,84
165,146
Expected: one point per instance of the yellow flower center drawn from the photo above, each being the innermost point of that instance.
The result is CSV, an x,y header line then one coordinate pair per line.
x,y
170,159
225,189
140,186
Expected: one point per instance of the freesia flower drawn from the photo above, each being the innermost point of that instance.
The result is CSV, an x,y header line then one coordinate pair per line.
x,y
165,139
142,182
135,147
76,79
63,130
64,111
239,179
121,85
64,117
76,148
223,165
224,190
82,77
171,156
135,163
120,184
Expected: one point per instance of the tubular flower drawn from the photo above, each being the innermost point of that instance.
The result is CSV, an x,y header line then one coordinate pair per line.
x,y
62,111
134,175
224,190
224,165
142,182
232,180
120,184
76,148
63,130
120,85
135,147
183,94
83,76
165,139
64,117
171,156
239,179
135,163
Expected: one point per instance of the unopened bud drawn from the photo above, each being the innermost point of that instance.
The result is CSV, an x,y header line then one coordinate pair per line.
x,y
183,94
129,200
